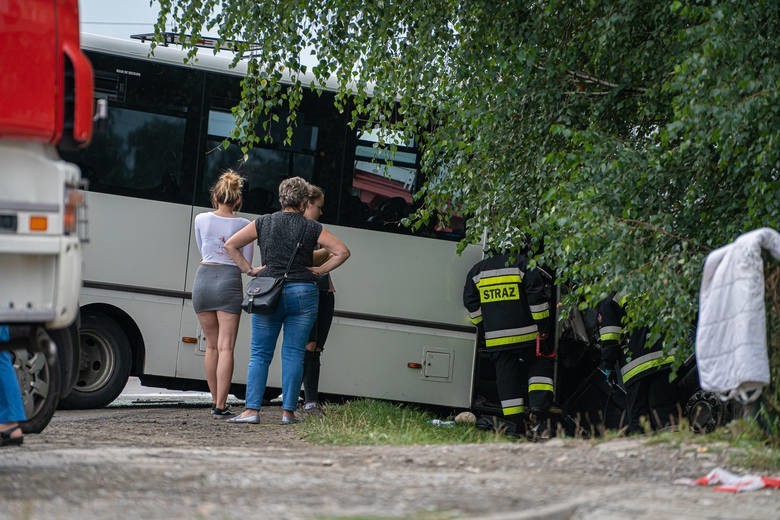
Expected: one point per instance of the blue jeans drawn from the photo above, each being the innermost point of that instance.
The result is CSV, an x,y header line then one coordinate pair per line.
x,y
297,311
11,407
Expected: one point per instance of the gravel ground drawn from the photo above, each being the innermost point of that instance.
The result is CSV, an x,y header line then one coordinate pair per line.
x,y
177,462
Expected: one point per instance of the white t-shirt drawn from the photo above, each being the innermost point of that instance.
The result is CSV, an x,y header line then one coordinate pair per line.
x,y
211,233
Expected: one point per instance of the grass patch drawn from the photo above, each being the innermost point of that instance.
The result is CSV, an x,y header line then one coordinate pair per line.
x,y
372,422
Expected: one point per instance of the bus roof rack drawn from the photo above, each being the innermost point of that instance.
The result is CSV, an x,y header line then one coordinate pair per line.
x,y
204,41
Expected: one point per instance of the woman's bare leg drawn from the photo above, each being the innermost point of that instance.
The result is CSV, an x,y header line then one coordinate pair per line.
x,y
226,342
210,325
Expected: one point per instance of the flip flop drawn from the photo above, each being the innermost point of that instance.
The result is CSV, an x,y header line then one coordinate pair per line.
x,y
7,440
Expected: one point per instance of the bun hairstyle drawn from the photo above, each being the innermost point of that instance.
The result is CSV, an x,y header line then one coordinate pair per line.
x,y
315,193
294,193
227,190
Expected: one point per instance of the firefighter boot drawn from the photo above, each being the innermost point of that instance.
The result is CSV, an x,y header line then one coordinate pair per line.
x,y
538,427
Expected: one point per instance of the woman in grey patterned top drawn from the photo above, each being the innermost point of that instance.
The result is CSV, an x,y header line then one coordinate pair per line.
x,y
277,237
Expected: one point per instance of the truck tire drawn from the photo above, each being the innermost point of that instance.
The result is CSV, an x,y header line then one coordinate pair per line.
x,y
67,341
40,379
104,366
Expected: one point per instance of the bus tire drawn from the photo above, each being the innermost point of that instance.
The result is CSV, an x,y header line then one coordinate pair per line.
x,y
40,379
104,363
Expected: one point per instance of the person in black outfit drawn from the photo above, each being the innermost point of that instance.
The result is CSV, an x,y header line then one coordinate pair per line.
x,y
319,332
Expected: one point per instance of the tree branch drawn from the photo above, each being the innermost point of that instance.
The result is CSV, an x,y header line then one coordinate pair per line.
x,y
587,78
652,227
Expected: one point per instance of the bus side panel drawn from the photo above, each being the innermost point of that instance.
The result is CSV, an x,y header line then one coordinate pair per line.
x,y
377,364
152,236
403,276
157,317
148,283
394,284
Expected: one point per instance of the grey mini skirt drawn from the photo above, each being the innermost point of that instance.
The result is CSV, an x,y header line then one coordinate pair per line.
x,y
217,287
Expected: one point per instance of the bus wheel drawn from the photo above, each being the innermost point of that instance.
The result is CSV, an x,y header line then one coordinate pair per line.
x,y
39,380
104,363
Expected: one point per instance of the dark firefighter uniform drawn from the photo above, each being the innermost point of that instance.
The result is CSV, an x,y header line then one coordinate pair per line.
x,y
611,340
510,304
644,372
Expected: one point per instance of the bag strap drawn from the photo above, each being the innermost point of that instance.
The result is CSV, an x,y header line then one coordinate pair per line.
x,y
295,252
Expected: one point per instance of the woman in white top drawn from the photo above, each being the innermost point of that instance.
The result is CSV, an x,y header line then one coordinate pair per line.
x,y
218,291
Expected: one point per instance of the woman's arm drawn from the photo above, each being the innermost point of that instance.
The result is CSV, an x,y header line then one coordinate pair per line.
x,y
336,249
233,246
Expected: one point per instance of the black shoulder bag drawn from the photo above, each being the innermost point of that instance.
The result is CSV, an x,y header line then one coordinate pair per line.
x,y
263,292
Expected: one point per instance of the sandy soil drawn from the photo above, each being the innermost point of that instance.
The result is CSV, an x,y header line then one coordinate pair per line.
x,y
177,462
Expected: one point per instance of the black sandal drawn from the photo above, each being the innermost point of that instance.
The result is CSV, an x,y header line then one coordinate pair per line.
x,y
7,440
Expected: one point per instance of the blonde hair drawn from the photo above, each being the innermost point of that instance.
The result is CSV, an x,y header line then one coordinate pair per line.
x,y
293,193
315,193
227,190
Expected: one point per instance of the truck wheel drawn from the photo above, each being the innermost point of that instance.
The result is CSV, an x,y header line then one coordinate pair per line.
x,y
67,341
104,364
39,380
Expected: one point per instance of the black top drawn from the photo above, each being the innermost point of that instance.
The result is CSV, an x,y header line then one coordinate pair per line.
x,y
277,236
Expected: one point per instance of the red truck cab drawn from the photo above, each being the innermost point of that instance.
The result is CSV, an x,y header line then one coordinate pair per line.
x,y
46,81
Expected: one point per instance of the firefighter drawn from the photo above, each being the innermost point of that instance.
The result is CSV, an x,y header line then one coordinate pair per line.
x,y
643,371
510,305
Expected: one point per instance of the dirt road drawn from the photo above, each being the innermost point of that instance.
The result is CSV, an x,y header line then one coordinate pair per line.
x,y
173,462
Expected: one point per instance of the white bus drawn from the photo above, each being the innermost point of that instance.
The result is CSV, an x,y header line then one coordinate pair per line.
x,y
399,331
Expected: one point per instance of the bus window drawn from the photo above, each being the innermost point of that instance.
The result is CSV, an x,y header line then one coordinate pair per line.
x,y
139,151
265,167
383,181
138,154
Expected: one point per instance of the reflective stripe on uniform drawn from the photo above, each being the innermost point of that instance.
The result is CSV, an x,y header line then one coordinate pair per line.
x,y
496,338
498,273
476,316
541,311
540,384
495,280
610,333
513,406
643,363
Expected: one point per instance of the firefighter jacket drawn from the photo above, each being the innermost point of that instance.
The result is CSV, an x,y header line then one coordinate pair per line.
x,y
642,361
510,302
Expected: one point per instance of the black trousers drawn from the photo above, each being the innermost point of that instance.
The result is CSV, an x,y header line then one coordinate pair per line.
x,y
319,334
523,381
654,397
